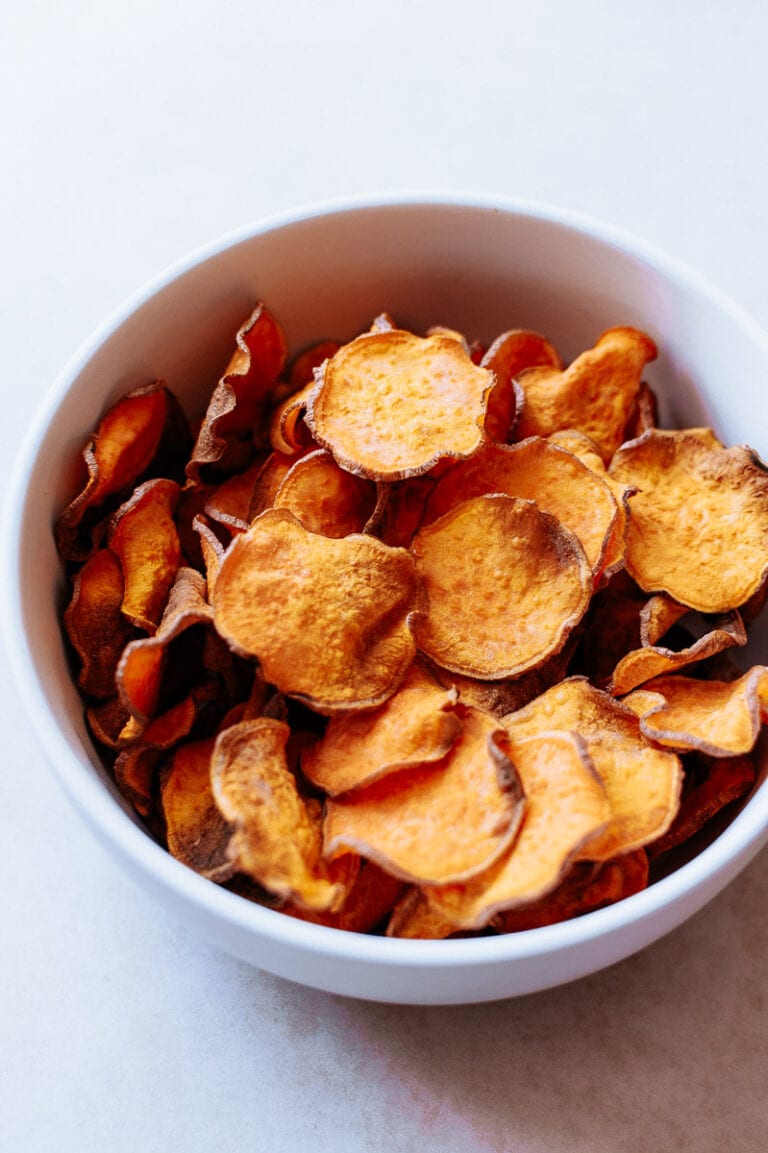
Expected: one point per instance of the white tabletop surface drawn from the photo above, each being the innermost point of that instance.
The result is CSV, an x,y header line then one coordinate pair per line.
x,y
133,133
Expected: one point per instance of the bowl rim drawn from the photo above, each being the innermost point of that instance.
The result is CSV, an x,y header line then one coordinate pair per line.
x,y
708,872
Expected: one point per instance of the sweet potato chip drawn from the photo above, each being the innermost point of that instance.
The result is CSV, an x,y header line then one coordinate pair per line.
x,y
727,779
370,899
135,766
325,498
402,509
720,718
107,721
95,623
699,524
288,433
542,472
506,583
437,823
439,396
642,783
303,368
416,726
509,355
197,833
413,917
229,503
268,480
595,394
329,620
565,809
144,537
275,839
644,414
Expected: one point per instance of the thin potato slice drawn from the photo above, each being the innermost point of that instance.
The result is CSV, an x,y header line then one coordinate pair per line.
x,y
642,783
565,809
436,823
144,537
276,839
699,524
370,899
197,833
727,779
329,620
325,498
542,472
506,584
416,726
268,480
438,394
595,394
288,433
95,623
230,502
509,355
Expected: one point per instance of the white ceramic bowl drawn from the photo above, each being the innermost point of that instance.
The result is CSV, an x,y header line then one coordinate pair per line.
x,y
478,264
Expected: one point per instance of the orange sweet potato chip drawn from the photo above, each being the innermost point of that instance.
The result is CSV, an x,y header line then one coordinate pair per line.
x,y
144,537
413,917
288,433
726,779
435,823
276,840
135,766
595,394
439,396
329,620
416,726
370,899
95,624
325,498
229,503
527,571
508,356
565,809
197,833
402,509
699,524
303,368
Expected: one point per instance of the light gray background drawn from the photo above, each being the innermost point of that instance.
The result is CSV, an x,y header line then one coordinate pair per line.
x,y
133,133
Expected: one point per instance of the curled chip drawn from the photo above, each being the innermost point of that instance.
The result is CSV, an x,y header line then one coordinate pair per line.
x,y
726,779
642,783
594,395
437,823
542,472
438,395
416,726
95,623
699,524
144,536
287,431
565,810
721,718
197,833
506,583
135,765
369,901
325,498
329,620
276,839
509,355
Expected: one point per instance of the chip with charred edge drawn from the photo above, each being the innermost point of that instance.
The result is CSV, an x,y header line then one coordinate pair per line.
x,y
135,765
509,355
143,535
288,433
566,809
536,470
230,502
586,887
720,718
439,396
325,498
416,726
413,917
699,524
436,823
402,509
95,623
276,839
370,899
728,779
506,584
197,833
236,417
595,394
143,663
642,783
143,427
330,621
653,660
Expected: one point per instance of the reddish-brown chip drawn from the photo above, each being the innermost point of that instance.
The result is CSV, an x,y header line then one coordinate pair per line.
x,y
595,394
135,766
370,899
237,414
144,537
612,628
95,623
644,414
416,726
566,809
438,823
699,524
229,503
107,721
276,838
402,509
197,833
727,779
720,718
642,783
506,584
542,472
438,395
325,498
509,355
329,620
211,550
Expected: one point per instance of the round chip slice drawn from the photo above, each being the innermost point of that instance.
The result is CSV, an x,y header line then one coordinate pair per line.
x,y
699,524
506,584
328,619
438,395
325,498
